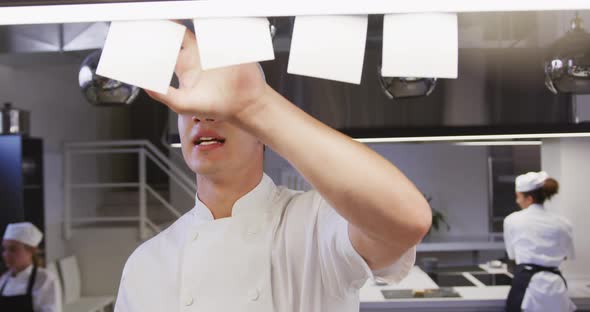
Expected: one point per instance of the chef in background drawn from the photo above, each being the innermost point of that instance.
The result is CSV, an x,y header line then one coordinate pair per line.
x,y
539,241
26,287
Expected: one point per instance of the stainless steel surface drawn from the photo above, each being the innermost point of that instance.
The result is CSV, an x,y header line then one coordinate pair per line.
x,y
444,292
14,121
493,279
429,264
499,74
459,269
52,37
101,91
451,279
406,87
496,87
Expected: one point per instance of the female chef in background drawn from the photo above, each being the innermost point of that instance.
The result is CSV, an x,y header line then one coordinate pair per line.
x,y
539,241
25,287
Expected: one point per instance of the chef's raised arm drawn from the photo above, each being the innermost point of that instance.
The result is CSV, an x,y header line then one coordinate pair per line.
x,y
387,215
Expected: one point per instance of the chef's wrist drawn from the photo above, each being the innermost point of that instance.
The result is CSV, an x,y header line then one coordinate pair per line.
x,y
251,116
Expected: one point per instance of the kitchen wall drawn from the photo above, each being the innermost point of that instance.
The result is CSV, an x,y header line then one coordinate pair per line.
x,y
455,176
567,161
582,107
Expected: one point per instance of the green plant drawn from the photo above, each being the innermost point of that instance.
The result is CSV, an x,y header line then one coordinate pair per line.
x,y
438,218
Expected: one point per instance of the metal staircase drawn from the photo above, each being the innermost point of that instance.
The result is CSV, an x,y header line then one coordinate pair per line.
x,y
94,196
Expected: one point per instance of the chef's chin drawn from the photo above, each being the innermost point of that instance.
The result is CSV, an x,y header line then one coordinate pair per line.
x,y
206,167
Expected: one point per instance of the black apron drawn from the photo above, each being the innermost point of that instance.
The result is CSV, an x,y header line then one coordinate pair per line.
x,y
21,303
522,278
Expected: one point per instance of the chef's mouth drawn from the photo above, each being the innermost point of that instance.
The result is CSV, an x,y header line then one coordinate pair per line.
x,y
204,141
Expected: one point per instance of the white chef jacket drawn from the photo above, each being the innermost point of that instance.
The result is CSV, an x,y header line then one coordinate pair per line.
x,y
537,236
46,289
280,250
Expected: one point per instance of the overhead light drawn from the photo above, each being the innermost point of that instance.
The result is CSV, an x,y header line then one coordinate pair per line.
x,y
568,68
93,11
400,87
499,143
102,91
272,27
176,145
473,137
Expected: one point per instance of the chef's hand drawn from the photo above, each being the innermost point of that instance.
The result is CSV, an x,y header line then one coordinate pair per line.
x,y
219,93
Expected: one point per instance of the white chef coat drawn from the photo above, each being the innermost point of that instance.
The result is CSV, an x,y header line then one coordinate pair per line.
x,y
537,236
46,289
280,250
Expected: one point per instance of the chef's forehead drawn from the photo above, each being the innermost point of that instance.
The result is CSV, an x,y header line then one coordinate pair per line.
x,y
11,242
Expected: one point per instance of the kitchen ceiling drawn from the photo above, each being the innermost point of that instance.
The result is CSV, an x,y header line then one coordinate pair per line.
x,y
500,73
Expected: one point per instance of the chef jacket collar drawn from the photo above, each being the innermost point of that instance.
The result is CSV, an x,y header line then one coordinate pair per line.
x,y
22,275
257,201
536,207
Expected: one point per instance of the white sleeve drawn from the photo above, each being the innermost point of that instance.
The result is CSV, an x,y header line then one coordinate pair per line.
x,y
343,267
121,303
508,239
49,297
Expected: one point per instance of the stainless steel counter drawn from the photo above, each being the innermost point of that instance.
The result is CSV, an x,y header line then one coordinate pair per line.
x,y
472,298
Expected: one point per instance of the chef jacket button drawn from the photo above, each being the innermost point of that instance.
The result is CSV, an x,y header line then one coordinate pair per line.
x,y
195,236
254,294
189,301
252,230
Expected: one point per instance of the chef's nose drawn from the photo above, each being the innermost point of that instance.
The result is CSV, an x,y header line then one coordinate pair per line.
x,y
197,119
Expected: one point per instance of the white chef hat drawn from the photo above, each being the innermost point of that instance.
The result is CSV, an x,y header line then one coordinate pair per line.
x,y
24,232
530,181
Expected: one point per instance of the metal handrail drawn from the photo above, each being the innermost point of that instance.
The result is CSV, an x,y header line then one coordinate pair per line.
x,y
153,226
163,201
143,143
172,176
105,219
145,150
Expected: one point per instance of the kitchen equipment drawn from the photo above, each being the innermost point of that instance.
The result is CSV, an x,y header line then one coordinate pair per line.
x,y
459,269
405,87
14,121
429,264
495,264
377,281
488,279
450,279
101,91
398,294
568,68
444,292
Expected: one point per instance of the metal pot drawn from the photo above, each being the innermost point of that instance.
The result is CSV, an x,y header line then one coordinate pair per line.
x,y
14,121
